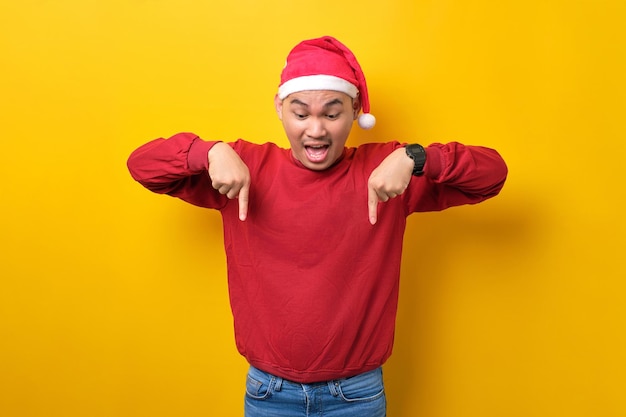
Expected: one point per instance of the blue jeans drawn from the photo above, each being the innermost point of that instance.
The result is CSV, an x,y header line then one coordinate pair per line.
x,y
271,396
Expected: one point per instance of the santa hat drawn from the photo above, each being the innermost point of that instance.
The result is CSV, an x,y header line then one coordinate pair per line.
x,y
326,64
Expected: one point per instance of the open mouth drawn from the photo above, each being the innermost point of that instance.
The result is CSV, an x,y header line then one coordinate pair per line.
x,y
316,153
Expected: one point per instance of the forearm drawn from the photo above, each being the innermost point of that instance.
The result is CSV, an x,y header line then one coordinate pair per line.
x,y
473,170
163,165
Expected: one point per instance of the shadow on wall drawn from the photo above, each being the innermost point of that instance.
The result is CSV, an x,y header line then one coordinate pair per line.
x,y
467,255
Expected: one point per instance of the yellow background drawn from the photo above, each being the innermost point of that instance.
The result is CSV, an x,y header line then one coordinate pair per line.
x,y
113,300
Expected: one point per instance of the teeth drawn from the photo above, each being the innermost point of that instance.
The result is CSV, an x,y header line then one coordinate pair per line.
x,y
316,153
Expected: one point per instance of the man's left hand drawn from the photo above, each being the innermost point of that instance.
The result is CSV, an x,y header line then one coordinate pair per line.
x,y
388,180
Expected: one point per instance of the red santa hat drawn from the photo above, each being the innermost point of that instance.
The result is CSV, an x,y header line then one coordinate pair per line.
x,y
326,64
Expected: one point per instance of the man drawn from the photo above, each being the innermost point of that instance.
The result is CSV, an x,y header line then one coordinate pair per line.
x,y
313,234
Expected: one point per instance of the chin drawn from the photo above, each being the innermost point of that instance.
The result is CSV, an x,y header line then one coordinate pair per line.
x,y
317,167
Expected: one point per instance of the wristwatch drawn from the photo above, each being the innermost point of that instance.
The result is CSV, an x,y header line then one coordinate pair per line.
x,y
418,154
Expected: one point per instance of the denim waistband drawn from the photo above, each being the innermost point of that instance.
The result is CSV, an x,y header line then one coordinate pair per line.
x,y
277,381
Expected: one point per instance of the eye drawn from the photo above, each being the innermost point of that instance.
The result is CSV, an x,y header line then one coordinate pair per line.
x,y
332,116
300,116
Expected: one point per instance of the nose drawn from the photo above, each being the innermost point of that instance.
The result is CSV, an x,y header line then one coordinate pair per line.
x,y
316,128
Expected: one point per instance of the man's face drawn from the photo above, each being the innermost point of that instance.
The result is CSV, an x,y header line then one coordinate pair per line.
x,y
317,124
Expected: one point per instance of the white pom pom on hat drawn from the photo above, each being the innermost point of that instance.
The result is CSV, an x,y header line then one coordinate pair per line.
x,y
326,64
367,121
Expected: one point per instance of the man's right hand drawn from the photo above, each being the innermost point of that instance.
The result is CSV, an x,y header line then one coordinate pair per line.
x,y
230,175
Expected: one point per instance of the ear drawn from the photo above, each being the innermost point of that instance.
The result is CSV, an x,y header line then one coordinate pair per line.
x,y
278,104
356,106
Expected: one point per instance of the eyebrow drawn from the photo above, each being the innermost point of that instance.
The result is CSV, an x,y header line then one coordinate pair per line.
x,y
329,104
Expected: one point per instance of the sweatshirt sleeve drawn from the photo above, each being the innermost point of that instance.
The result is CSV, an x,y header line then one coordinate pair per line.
x,y
177,166
457,174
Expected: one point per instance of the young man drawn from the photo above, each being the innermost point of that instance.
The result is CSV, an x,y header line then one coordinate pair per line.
x,y
313,234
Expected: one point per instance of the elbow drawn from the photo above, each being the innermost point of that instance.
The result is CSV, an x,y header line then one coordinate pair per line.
x,y
499,174
133,168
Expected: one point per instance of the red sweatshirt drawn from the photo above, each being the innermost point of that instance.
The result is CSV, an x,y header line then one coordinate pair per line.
x,y
313,285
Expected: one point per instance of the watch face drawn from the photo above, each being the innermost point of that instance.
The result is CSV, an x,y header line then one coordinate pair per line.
x,y
418,154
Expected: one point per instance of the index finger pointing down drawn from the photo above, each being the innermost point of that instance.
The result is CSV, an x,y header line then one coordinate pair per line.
x,y
243,202
372,205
